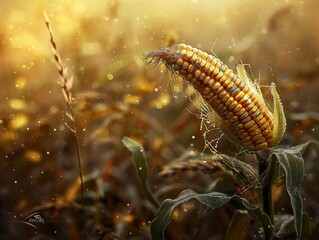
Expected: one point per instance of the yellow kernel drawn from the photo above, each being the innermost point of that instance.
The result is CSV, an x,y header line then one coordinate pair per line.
x,y
247,118
264,126
183,72
209,95
207,67
183,52
197,73
211,69
194,80
266,132
211,82
237,81
262,145
220,89
194,58
203,63
239,126
233,119
231,75
223,109
244,99
227,71
218,64
223,68
259,117
241,132
215,72
237,108
206,90
189,54
269,135
241,111
245,89
249,124
256,137
260,140
250,106
253,128
256,113
190,68
232,105
189,48
230,85
202,76
246,139
253,110
216,86
216,102
229,114
182,46
244,115
198,61
206,80
261,122
239,96
226,82
229,101
244,134
222,94
219,75
255,132
179,62
214,61
189,77
223,79
225,98
185,65
204,55
195,50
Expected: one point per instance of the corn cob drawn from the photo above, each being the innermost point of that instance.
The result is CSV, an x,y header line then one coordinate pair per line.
x,y
235,99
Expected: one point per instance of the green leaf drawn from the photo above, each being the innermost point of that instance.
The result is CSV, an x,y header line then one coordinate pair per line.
x,y
284,225
212,200
140,163
239,226
292,162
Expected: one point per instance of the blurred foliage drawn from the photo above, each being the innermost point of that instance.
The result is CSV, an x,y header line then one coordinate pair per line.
x,y
116,95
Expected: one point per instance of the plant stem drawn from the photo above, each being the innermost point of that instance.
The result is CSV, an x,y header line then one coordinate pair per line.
x,y
266,190
78,156
267,172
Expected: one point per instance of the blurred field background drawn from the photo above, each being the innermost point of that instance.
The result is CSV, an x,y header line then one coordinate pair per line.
x,y
116,95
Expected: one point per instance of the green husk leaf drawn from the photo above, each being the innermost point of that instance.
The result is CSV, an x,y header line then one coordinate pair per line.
x,y
253,86
212,200
141,167
279,117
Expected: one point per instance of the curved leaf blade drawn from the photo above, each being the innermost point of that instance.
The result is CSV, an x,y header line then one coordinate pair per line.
x,y
141,167
212,200
292,162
